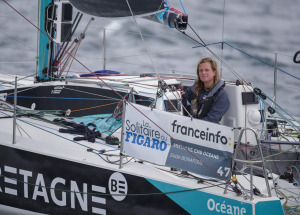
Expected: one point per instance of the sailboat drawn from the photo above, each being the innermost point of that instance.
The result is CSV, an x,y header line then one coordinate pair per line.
x,y
139,154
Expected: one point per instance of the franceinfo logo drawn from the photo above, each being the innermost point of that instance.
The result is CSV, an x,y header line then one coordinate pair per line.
x,y
206,135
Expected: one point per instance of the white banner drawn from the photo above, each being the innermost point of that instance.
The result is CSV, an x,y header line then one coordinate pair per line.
x,y
177,141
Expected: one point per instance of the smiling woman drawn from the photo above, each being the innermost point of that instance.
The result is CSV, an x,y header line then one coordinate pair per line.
x,y
207,99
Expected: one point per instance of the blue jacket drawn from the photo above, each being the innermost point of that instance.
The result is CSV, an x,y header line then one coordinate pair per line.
x,y
211,105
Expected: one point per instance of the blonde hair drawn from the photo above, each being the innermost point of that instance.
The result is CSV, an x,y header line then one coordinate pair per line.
x,y
199,85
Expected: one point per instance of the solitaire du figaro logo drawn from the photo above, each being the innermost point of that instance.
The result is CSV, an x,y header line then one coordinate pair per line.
x,y
143,135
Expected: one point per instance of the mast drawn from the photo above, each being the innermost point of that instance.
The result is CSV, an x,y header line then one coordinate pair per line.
x,y
43,48
55,21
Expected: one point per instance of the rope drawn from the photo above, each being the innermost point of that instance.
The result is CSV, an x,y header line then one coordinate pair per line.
x,y
13,82
61,98
94,107
182,7
258,59
21,43
177,11
273,160
19,62
281,115
273,154
145,45
37,126
223,26
33,124
202,43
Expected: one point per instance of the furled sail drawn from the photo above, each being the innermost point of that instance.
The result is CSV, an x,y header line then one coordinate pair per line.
x,y
170,17
117,8
154,10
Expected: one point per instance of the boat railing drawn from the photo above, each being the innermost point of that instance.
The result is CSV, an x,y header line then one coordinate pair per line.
x,y
249,164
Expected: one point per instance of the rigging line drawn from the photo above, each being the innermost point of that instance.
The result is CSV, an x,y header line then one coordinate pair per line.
x,y
61,98
281,115
94,107
289,191
245,117
73,52
223,27
13,82
286,55
17,62
29,48
9,75
285,131
10,17
128,32
164,35
270,147
216,56
244,175
272,155
182,7
102,96
62,58
20,127
260,60
17,49
133,83
203,43
210,44
135,64
179,100
37,42
70,34
152,53
124,80
155,69
30,88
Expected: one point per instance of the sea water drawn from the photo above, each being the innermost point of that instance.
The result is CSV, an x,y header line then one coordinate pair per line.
x,y
258,28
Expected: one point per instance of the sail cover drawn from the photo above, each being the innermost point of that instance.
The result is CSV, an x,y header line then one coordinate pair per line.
x,y
117,8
